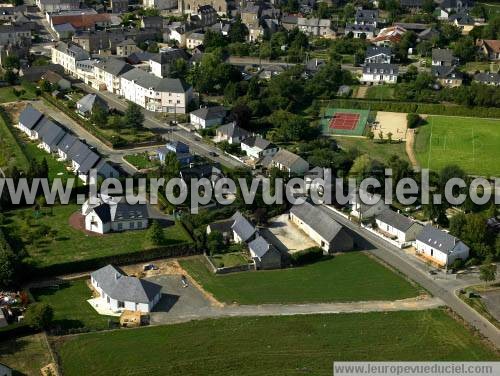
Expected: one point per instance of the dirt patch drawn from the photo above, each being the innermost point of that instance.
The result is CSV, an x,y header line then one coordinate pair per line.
x,y
391,122
292,237
410,148
361,92
77,221
14,109
167,266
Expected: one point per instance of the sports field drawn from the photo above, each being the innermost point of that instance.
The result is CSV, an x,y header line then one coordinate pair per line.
x,y
471,143
344,121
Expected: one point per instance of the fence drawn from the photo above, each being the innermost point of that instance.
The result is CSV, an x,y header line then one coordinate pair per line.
x,y
228,269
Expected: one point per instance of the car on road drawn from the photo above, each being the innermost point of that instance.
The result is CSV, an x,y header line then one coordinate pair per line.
x,y
213,154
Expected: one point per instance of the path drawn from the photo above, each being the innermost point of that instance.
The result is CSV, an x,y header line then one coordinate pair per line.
x,y
410,148
361,92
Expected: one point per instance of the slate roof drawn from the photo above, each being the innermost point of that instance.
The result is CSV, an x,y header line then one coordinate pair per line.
x,y
114,67
396,220
437,239
242,226
88,163
121,211
150,81
359,27
170,55
50,133
86,104
442,54
440,71
259,246
66,143
124,288
221,226
232,130
30,117
412,3
286,158
258,142
488,78
78,152
209,113
366,15
381,68
319,221
374,51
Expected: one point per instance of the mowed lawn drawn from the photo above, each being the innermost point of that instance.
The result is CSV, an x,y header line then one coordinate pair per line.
x,y
380,92
471,143
49,239
380,151
71,309
286,345
7,95
349,277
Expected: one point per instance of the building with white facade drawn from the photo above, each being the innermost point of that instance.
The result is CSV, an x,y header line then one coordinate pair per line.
x,y
257,147
375,73
107,74
398,226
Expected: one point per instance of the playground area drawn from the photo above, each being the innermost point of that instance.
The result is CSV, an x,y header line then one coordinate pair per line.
x,y
390,122
342,121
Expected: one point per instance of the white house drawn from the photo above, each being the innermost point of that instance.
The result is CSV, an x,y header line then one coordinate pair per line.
x,y
29,119
237,229
231,133
440,246
264,254
375,73
115,215
398,226
119,292
287,161
75,61
379,55
207,117
107,74
257,147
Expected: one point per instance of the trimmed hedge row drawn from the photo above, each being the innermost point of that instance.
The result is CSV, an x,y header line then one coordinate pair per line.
x,y
418,108
306,256
177,250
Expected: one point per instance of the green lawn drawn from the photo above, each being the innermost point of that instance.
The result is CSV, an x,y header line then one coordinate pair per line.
x,y
474,66
26,355
71,309
350,277
7,95
11,153
228,259
492,8
60,243
286,345
381,152
468,142
382,92
141,161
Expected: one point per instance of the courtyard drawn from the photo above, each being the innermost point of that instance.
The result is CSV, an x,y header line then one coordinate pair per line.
x,y
286,236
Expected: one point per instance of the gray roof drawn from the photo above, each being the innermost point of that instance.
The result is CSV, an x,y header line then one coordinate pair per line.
x,y
396,220
441,71
86,104
150,81
375,50
364,15
438,239
442,54
121,211
319,221
286,158
66,143
113,66
208,113
242,226
359,27
30,117
50,133
124,288
88,163
487,78
170,55
381,68
78,152
259,246
232,130
259,142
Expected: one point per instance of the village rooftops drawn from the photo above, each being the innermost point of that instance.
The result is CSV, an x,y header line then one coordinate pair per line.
x,y
30,117
381,68
170,55
124,288
150,81
372,51
50,133
488,78
66,142
440,71
316,219
442,54
113,66
233,131
242,226
396,220
438,239
209,113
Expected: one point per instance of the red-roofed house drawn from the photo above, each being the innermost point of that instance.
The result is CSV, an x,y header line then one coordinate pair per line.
x,y
490,48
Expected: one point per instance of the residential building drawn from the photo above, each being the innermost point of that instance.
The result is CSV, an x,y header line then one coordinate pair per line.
x,y
49,133
398,226
83,19
412,4
488,78
388,36
365,205
375,73
126,48
205,16
86,105
447,76
119,6
321,228
378,55
180,149
155,94
442,57
15,35
29,119
287,161
264,254
490,48
160,4
315,26
160,63
35,73
455,5
366,17
51,6
108,72
75,60
440,247
289,22
152,22
207,117
56,80
257,147
65,145
194,40
119,292
191,6
360,31
250,14
231,133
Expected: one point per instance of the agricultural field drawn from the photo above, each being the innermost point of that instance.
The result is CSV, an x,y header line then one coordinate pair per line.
x,y
49,239
70,307
467,142
26,354
286,345
349,277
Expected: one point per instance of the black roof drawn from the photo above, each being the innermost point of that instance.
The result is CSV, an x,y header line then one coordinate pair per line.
x,y
30,117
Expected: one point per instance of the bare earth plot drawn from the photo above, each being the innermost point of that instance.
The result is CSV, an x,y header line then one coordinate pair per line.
x,y
391,122
289,235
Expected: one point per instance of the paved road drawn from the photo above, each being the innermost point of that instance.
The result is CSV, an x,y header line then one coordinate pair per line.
x,y
169,132
415,270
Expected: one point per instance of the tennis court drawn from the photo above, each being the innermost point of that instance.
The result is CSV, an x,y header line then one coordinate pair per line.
x,y
344,121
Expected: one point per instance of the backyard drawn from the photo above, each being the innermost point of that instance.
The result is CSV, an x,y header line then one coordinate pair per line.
x,y
381,92
349,277
141,161
26,355
286,345
49,239
375,149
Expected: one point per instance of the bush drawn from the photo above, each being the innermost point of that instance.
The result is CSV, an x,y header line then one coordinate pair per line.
x,y
412,120
306,256
39,315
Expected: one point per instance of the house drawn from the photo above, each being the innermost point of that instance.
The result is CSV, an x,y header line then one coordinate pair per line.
x,y
170,95
160,64
160,4
75,60
107,74
191,6
116,215
455,5
447,76
264,254
428,34
389,36
378,55
119,292
360,31
366,17
315,26
5,370
205,16
29,119
440,247
194,40
51,6
464,21
257,147
86,105
231,133
126,47
313,66
49,133
287,161
35,73
488,78
152,22
65,145
442,57
373,206
490,48
325,231
402,228
289,22
243,230
207,117
180,149
15,35
119,6
412,4
377,73
208,171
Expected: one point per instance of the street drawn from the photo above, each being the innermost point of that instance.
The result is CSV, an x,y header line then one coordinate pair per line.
x,y
415,270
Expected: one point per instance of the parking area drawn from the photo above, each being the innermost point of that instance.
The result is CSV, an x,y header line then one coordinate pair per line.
x,y
288,234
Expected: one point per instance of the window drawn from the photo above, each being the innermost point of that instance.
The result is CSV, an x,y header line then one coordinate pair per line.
x,y
120,226
139,224
132,225
121,304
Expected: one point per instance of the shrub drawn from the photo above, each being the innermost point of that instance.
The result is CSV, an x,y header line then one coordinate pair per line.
x,y
412,120
39,315
306,256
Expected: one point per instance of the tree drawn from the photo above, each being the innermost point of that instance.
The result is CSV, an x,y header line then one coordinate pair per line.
x,y
412,120
238,31
11,62
381,136
288,126
99,115
6,267
39,315
361,166
155,233
215,242
46,86
10,76
487,271
133,116
389,137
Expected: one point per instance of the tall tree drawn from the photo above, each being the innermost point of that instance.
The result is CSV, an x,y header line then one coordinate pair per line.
x,y
133,116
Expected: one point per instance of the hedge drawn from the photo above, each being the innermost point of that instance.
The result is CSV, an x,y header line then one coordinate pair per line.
x,y
306,256
16,330
418,108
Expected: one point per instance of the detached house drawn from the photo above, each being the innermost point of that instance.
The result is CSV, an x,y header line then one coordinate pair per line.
x,y
366,17
442,57
207,117
378,55
287,161
231,133
326,232
490,48
360,31
447,76
440,246
257,147
488,78
376,73
180,149
396,225
264,254
28,121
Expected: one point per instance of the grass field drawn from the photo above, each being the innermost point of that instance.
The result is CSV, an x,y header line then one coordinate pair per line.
x,y
141,161
61,243
468,142
11,153
380,92
70,307
375,150
26,355
287,345
350,277
7,95
228,259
